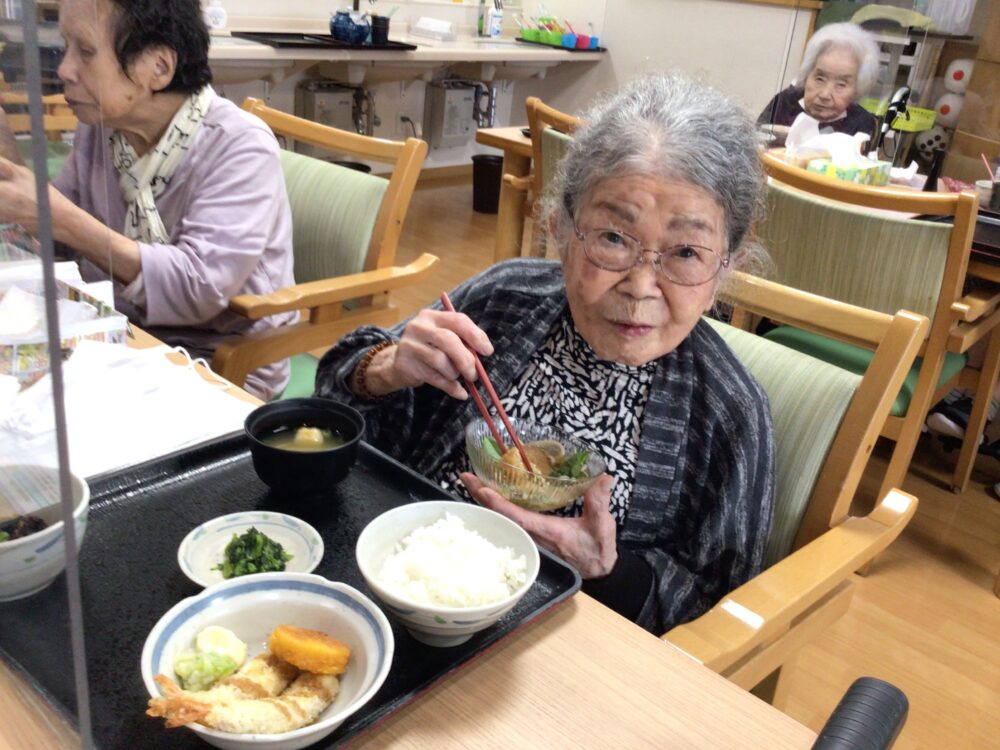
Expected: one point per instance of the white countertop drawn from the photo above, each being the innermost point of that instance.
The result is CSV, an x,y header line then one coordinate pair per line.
x,y
465,49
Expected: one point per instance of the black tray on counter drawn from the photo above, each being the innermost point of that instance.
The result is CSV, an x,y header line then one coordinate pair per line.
x,y
293,40
130,578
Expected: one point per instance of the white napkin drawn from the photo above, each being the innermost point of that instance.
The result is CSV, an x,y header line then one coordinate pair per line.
x,y
22,314
123,406
844,150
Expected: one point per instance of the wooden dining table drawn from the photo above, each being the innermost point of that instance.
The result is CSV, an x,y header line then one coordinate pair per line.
x,y
516,147
580,675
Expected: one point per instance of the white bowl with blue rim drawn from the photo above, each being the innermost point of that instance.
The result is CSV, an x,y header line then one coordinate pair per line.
x,y
30,563
432,624
203,549
252,606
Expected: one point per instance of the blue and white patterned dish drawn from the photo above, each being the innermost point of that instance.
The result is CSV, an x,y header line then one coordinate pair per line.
x,y
252,606
203,548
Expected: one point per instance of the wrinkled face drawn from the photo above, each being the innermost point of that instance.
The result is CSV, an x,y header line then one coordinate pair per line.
x,y
96,87
636,316
832,86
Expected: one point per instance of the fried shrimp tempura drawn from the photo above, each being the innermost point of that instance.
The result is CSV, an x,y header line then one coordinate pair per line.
x,y
296,707
263,676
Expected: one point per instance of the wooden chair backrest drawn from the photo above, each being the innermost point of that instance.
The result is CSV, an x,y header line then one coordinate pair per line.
x,y
406,159
540,117
867,271
839,458
57,117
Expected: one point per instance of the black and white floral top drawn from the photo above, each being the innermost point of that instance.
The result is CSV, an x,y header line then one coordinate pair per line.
x,y
601,403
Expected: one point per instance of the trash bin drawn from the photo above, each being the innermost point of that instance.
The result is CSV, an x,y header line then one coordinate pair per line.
x,y
487,172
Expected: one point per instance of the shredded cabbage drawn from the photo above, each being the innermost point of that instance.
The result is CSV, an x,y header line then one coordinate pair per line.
x,y
199,670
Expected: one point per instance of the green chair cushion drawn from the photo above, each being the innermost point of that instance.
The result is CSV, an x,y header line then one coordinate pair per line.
x,y
808,399
302,384
856,359
554,147
333,215
56,153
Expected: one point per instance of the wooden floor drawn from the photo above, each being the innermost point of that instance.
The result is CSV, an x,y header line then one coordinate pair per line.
x,y
925,619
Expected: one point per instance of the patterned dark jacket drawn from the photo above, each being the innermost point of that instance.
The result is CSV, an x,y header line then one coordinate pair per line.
x,y
703,490
785,107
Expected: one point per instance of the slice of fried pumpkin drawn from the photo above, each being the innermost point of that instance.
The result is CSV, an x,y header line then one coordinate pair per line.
x,y
309,650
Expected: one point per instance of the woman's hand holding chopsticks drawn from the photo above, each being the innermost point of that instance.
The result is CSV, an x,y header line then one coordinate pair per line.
x,y
434,349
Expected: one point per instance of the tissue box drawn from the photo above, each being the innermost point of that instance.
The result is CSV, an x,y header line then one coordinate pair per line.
x,y
861,173
27,357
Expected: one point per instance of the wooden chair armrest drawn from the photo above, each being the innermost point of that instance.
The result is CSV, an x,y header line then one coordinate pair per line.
x,y
976,304
522,184
329,291
764,607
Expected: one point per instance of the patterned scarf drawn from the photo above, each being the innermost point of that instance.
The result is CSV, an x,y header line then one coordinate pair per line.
x,y
143,180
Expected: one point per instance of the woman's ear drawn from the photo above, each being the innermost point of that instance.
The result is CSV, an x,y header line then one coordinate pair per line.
x,y
162,61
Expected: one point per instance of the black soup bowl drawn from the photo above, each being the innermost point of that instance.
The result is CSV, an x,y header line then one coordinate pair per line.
x,y
304,472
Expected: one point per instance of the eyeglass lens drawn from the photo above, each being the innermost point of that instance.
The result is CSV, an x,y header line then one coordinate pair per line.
x,y
683,264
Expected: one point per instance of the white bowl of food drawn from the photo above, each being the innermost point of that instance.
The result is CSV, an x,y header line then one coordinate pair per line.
x,y
204,553
30,563
252,608
446,569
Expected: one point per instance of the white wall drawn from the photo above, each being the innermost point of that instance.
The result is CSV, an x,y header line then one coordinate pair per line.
x,y
738,47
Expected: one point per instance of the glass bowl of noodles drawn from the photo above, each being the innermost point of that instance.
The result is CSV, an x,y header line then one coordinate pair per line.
x,y
564,467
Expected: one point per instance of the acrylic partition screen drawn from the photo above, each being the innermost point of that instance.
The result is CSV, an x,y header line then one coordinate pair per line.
x,y
46,311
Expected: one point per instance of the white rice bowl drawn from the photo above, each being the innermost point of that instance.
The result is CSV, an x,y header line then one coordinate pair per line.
x,y
463,569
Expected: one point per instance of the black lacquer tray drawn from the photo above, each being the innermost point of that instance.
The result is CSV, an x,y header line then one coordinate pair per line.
x,y
130,577
294,40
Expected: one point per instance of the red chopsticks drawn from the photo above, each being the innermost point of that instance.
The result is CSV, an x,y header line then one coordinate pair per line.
x,y
493,397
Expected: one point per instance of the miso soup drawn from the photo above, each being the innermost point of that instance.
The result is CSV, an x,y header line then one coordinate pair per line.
x,y
303,438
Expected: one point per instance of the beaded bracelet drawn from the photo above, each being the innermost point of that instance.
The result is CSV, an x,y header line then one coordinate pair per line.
x,y
361,371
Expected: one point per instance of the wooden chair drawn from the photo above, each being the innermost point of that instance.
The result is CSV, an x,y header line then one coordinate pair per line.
x,y
826,422
843,241
57,119
346,225
545,154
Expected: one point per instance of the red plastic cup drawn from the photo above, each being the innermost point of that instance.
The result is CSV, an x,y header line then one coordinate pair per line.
x,y
582,41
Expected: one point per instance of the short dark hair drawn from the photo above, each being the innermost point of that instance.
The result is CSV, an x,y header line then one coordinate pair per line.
x,y
178,24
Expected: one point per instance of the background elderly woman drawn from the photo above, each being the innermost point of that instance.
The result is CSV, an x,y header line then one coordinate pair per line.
x,y
839,67
611,348
187,207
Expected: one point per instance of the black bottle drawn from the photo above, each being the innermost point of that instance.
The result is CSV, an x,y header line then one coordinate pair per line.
x,y
937,161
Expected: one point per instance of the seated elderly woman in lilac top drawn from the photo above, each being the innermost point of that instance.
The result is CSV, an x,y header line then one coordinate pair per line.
x,y
173,191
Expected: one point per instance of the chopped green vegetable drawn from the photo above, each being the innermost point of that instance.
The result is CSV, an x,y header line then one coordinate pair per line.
x,y
574,466
252,552
199,670
4,536
491,449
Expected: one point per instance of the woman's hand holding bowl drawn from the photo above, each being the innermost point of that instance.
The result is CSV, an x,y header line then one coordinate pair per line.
x,y
588,542
433,350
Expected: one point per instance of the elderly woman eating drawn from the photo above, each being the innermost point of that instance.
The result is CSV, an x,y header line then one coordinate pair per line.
x,y
174,192
839,67
649,209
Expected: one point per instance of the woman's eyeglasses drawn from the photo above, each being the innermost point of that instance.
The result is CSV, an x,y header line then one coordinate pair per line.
x,y
687,265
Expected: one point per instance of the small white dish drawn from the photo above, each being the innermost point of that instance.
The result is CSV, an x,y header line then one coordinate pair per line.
x,y
203,549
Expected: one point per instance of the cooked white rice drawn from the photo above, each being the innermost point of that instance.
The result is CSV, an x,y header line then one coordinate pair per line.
x,y
448,565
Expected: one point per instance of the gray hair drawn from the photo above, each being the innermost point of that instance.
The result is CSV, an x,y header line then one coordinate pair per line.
x,y
855,40
671,128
